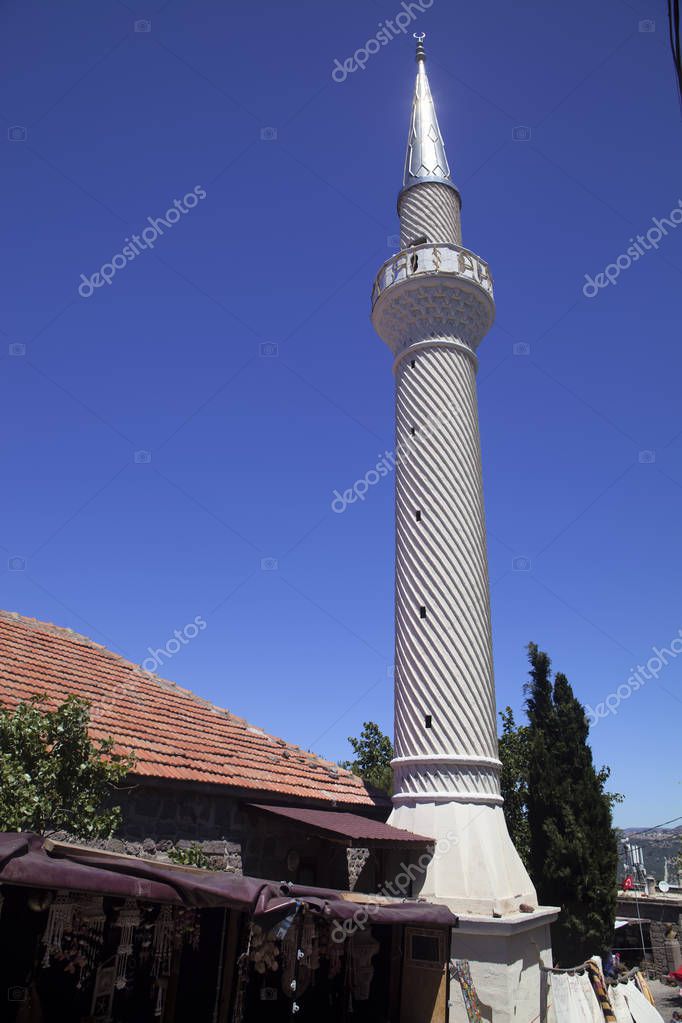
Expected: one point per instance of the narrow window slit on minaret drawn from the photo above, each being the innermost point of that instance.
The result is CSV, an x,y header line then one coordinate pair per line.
x,y
413,430
427,721
414,261
422,612
418,515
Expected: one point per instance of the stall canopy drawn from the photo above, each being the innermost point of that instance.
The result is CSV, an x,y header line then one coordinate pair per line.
x,y
33,861
346,827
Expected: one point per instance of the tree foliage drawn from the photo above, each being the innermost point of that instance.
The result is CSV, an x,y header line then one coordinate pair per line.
x,y
373,754
572,847
514,754
193,856
52,775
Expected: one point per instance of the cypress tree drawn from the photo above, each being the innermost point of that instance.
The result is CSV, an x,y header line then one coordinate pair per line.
x,y
513,753
573,850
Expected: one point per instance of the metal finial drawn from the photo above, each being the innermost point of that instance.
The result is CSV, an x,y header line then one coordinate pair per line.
x,y
425,159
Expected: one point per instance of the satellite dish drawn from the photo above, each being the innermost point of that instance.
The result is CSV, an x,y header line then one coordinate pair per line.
x,y
663,886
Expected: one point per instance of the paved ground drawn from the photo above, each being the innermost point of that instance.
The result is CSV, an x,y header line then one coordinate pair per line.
x,y
667,999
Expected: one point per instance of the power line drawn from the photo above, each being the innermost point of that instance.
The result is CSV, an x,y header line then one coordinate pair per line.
x,y
657,826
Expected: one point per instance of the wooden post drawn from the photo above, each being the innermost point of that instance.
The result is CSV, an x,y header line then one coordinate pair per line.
x,y
229,964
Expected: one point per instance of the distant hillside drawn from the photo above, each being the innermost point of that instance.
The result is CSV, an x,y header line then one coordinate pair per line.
x,y
655,845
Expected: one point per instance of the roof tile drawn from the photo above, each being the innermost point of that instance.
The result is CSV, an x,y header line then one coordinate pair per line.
x,y
173,732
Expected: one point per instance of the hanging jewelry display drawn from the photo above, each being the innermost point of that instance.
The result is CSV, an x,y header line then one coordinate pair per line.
x,y
91,919
128,918
187,927
81,946
363,948
335,951
146,933
162,942
161,991
242,978
103,994
264,951
289,961
309,943
59,922
296,973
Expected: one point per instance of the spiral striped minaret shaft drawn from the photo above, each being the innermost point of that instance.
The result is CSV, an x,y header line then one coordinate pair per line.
x,y
432,304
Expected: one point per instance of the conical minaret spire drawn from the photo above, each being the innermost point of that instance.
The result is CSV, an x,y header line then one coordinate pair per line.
x,y
425,159
429,203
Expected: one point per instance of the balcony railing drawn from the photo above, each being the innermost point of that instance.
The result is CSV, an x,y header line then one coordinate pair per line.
x,y
432,259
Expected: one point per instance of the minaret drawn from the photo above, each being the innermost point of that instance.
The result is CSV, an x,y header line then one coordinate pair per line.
x,y
432,305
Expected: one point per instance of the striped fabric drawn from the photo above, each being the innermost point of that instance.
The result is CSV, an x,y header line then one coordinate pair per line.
x,y
462,972
597,980
641,982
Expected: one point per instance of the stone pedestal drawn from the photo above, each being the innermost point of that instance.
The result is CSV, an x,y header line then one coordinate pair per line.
x,y
476,871
505,957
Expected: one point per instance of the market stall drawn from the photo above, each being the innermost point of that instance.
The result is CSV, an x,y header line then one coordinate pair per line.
x,y
101,938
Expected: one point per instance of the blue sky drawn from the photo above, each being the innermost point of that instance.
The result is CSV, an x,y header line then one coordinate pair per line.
x,y
104,126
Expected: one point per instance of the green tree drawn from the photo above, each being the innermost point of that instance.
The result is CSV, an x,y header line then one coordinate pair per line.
x,y
373,754
52,775
514,751
573,850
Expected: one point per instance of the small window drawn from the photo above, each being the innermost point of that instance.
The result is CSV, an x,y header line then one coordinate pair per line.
x,y
413,430
427,721
426,948
418,515
412,362
414,262
422,612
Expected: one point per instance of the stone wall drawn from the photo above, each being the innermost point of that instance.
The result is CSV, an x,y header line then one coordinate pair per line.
x,y
159,818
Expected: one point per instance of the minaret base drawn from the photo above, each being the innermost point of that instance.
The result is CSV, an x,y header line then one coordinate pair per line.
x,y
474,867
476,871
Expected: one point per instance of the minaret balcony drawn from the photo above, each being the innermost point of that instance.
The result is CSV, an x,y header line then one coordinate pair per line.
x,y
433,291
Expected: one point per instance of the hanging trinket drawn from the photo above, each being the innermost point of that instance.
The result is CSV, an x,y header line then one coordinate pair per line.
x,y
128,918
59,922
89,928
161,991
162,942
363,948
264,951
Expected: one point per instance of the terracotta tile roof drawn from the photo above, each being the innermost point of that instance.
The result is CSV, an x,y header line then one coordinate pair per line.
x,y
174,733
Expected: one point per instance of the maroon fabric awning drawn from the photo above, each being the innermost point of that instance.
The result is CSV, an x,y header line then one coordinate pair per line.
x,y
30,860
